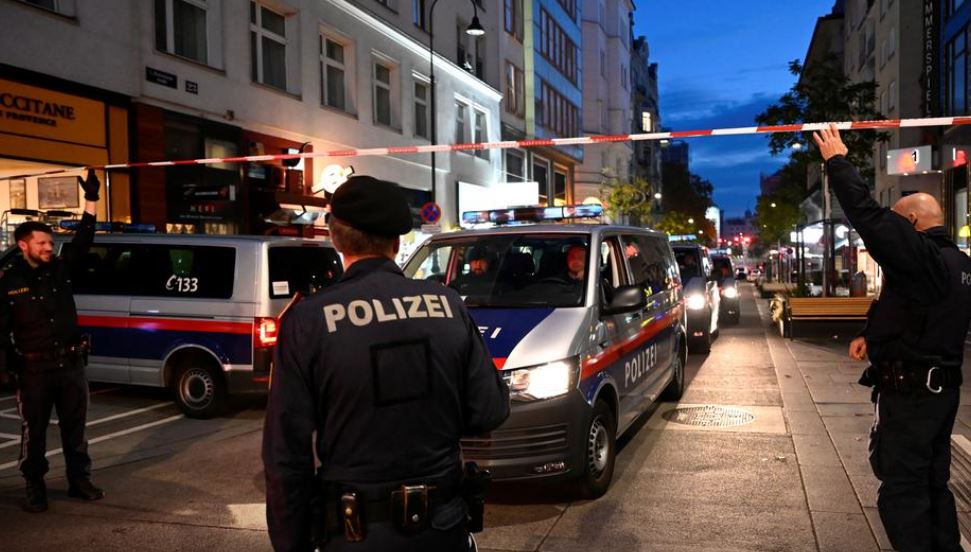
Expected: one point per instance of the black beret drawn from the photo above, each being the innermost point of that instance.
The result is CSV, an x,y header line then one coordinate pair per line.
x,y
374,206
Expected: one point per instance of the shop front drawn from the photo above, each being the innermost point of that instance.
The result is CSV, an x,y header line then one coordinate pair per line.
x,y
49,124
271,197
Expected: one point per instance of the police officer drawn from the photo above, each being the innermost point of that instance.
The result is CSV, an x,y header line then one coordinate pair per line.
x,y
914,340
389,372
41,347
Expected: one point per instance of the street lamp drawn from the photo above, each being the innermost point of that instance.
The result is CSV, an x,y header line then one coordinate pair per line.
x,y
691,220
474,29
773,205
657,196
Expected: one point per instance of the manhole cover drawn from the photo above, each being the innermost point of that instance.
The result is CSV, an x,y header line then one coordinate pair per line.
x,y
709,416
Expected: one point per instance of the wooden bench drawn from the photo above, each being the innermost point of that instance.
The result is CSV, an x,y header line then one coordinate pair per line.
x,y
834,309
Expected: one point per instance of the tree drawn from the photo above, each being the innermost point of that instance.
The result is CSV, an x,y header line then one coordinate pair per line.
x,y
631,200
823,93
775,218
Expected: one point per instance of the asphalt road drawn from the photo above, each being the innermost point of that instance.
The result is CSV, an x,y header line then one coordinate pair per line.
x,y
178,484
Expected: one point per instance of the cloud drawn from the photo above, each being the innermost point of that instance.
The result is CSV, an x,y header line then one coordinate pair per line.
x,y
699,110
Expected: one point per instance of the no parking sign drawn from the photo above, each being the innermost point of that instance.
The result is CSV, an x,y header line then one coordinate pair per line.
x,y
431,213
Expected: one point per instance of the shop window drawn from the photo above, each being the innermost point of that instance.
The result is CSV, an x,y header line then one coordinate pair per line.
x,y
559,188
183,28
334,62
268,46
515,166
383,93
422,119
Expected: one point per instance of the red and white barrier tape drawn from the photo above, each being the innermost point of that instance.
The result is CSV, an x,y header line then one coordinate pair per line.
x,y
536,142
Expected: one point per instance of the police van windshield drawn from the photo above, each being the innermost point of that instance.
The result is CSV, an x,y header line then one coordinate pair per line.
x,y
508,270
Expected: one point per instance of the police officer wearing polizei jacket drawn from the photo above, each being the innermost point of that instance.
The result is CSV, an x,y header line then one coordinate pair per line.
x,y
914,340
41,347
389,372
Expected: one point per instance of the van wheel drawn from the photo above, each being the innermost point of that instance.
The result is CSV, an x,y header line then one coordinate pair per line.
x,y
199,391
675,389
600,453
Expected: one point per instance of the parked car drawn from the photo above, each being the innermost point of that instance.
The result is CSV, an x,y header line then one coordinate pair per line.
x,y
741,274
586,323
195,314
701,295
729,308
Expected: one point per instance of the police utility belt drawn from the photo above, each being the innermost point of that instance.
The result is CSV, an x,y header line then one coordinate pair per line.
x,y
931,376
77,351
349,509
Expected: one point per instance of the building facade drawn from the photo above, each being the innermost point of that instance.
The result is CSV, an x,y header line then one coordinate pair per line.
x,y
542,79
646,111
185,79
607,42
953,97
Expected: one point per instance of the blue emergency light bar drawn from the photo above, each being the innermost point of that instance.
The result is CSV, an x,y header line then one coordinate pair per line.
x,y
532,214
125,228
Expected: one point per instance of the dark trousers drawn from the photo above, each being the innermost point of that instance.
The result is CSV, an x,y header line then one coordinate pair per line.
x,y
910,453
67,392
382,536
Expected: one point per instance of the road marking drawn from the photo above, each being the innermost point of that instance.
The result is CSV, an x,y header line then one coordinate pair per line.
x,y
8,398
11,414
127,414
103,391
97,440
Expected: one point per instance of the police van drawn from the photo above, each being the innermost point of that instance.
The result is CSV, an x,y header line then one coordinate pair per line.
x,y
586,323
195,314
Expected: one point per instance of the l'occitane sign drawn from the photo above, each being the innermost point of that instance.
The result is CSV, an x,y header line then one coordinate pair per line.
x,y
41,113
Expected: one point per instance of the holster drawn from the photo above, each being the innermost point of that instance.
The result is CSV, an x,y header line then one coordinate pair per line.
x,y
475,487
410,509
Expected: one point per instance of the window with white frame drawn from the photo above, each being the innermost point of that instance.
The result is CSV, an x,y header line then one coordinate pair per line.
x,y
333,73
479,133
515,165
63,7
883,102
181,28
514,90
381,78
603,64
268,46
892,42
422,114
892,96
460,114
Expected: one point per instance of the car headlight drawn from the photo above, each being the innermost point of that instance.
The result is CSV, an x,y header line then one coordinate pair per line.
x,y
730,292
541,382
696,301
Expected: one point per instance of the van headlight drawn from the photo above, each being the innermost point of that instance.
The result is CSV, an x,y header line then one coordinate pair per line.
x,y
542,382
730,292
696,301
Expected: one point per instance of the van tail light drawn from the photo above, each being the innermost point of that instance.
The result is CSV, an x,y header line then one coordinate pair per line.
x,y
265,331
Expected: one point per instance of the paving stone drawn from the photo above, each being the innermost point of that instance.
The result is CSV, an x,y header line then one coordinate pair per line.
x,y
816,450
838,532
805,423
828,490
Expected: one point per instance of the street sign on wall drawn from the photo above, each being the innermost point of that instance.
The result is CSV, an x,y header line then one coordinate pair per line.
x,y
907,161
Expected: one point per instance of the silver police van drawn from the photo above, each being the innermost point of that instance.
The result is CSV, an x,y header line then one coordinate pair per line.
x,y
195,314
587,325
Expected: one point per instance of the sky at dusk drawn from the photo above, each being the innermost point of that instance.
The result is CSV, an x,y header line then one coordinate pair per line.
x,y
720,64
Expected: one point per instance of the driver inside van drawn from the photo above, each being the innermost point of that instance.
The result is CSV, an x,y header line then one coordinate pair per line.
x,y
576,261
481,275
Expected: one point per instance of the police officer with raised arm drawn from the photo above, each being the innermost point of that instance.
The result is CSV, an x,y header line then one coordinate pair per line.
x,y
389,373
914,340
41,347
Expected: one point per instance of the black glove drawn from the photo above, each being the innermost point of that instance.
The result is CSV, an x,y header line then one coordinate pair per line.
x,y
91,186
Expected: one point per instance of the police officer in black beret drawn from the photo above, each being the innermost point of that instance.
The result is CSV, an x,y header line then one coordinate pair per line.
x,y
389,373
42,348
914,339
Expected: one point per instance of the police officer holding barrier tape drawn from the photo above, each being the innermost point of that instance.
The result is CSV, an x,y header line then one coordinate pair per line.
x,y
914,340
389,373
42,348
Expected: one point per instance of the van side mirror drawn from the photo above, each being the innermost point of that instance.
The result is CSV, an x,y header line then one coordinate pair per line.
x,y
626,299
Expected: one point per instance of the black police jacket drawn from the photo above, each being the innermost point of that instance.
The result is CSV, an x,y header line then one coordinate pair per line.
x,y
389,372
38,309
924,307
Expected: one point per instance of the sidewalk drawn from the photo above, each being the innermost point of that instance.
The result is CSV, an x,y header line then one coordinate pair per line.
x,y
829,417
